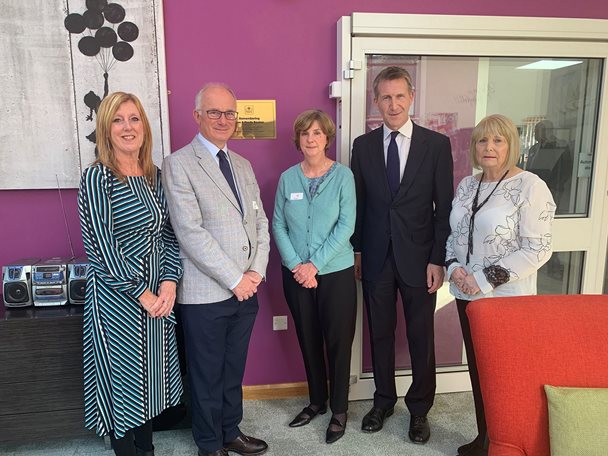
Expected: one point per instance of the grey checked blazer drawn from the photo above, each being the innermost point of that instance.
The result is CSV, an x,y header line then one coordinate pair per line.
x,y
215,239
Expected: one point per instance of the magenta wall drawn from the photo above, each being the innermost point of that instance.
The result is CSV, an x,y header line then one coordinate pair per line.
x,y
267,49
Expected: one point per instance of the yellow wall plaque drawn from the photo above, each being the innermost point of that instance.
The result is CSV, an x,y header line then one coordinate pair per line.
x,y
257,119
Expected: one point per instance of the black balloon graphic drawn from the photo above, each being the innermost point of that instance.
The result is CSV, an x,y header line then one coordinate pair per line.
x,y
102,43
114,13
88,45
106,37
93,19
92,101
128,31
75,23
122,51
97,5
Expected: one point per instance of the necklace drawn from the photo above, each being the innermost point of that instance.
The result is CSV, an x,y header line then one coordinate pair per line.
x,y
312,173
475,209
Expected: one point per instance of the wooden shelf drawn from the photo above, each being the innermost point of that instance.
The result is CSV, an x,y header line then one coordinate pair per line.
x,y
41,380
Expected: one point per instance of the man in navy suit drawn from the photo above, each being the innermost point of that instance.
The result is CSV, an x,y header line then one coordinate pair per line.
x,y
404,182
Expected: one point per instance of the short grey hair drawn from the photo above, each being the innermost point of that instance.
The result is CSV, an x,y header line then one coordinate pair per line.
x,y
391,73
198,99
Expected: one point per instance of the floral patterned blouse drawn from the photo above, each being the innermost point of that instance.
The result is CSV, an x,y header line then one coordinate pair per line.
x,y
511,236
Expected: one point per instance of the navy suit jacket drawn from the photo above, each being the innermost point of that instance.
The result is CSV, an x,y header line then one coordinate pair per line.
x,y
416,221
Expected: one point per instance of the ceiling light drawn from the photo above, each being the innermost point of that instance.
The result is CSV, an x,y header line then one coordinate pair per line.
x,y
549,64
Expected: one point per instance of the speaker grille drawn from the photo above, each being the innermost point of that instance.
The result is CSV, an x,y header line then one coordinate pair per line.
x,y
77,290
16,292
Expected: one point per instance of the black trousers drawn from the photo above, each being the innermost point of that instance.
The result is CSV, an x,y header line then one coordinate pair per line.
x,y
325,315
217,339
419,308
140,437
473,373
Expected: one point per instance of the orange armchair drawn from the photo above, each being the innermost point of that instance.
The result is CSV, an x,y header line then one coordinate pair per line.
x,y
522,343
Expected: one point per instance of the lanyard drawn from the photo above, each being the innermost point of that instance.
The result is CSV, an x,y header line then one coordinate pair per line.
x,y
475,209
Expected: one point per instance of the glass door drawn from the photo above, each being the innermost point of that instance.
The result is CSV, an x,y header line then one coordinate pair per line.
x,y
552,92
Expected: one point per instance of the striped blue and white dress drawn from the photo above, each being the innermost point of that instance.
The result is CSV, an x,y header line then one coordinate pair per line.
x,y
131,367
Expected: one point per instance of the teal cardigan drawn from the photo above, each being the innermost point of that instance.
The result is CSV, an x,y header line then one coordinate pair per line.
x,y
316,229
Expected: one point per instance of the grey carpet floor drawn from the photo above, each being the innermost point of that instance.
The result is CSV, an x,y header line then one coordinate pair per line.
x,y
452,421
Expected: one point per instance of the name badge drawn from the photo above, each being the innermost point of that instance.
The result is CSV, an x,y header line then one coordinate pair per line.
x,y
296,196
255,205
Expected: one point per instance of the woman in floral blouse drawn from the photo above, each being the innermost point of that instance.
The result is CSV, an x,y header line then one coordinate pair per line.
x,y
501,235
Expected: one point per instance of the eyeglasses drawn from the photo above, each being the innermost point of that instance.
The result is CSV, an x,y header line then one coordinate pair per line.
x,y
214,114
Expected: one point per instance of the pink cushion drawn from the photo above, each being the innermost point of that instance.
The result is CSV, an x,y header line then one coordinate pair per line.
x,y
522,343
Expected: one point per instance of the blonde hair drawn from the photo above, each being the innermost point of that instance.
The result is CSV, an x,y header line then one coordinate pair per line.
x,y
496,124
105,152
306,119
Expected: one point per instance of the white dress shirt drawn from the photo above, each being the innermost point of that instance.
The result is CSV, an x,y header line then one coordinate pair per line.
x,y
403,140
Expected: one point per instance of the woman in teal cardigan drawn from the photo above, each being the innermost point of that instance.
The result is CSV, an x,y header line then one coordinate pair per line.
x,y
314,218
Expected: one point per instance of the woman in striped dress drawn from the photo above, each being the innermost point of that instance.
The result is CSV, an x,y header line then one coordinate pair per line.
x,y
131,368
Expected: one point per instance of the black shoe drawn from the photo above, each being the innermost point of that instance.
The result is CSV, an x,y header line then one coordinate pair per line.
x,y
462,450
220,452
374,420
306,416
246,445
334,436
420,430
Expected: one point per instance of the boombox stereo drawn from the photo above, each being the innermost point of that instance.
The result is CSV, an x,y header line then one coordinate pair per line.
x,y
17,283
49,282
77,280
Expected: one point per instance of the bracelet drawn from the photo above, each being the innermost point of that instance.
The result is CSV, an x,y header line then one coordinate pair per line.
x,y
496,275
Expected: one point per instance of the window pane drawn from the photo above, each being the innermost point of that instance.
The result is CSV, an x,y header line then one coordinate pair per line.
x,y
562,274
554,103
449,349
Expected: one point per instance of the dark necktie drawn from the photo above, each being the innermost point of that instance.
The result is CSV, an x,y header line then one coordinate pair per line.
x,y
392,164
225,168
